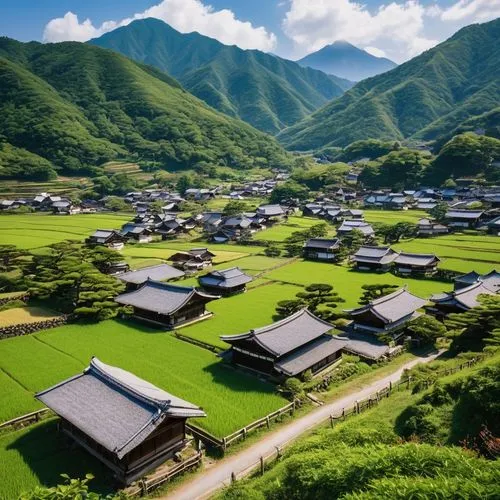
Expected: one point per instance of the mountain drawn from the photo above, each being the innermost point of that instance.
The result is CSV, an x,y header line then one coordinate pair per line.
x,y
347,61
423,99
72,106
266,91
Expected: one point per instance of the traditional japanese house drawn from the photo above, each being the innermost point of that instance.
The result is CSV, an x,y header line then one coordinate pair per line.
x,y
459,300
65,207
114,268
225,282
170,226
491,280
387,315
193,260
322,249
167,305
271,213
348,225
137,232
288,347
161,272
366,346
417,264
127,423
106,237
429,227
466,219
371,258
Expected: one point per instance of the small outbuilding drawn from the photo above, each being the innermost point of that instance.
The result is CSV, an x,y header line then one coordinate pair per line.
x,y
193,260
322,249
416,264
106,237
225,282
127,423
167,305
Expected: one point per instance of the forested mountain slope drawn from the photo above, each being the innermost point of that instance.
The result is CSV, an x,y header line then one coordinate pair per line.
x,y
266,91
72,106
347,61
425,98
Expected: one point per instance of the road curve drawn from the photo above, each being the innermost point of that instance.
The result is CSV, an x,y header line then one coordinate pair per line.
x,y
208,482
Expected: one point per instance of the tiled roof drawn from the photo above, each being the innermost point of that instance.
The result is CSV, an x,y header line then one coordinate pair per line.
x,y
464,214
416,259
349,225
162,272
465,298
311,353
159,297
392,307
323,243
114,407
372,254
269,210
366,345
285,335
227,278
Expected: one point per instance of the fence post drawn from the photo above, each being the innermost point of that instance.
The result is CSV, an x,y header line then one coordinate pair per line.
x,y
268,422
224,444
261,466
357,406
244,432
233,477
331,421
390,385
377,396
408,385
144,488
343,413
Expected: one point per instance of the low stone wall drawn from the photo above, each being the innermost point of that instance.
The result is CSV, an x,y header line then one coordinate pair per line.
x,y
22,296
27,328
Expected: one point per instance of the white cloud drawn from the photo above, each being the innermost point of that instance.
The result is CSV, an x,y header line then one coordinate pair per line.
x,y
374,51
184,15
397,26
472,11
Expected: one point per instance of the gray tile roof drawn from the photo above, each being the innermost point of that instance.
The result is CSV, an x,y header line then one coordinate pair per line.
x,y
465,298
366,346
392,307
285,335
162,272
114,407
323,243
349,225
464,214
310,354
415,259
226,278
269,210
372,254
159,297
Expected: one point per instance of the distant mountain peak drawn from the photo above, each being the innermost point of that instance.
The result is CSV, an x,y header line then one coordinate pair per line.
x,y
342,58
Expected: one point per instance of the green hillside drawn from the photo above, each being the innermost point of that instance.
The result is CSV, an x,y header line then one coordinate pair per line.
x,y
266,91
70,107
423,99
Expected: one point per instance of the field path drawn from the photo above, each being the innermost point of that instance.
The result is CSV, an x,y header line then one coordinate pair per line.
x,y
204,485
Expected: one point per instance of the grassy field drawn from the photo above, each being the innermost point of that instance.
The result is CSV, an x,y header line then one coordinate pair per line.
x,y
348,282
240,313
19,315
38,230
280,232
394,216
38,361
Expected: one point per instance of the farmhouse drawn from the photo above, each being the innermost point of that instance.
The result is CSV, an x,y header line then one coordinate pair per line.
x,y
127,423
459,300
491,280
371,258
162,272
463,218
193,260
106,237
225,282
388,314
288,347
348,225
416,264
322,249
165,304
137,232
271,213
429,227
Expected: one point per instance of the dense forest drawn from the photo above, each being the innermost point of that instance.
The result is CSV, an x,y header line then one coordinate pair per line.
x,y
262,89
446,88
69,107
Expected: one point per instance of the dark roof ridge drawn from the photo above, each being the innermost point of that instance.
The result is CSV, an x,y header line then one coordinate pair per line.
x,y
287,320
389,296
418,254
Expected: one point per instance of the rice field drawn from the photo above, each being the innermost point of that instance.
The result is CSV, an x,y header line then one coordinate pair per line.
x,y
39,230
20,315
280,232
38,361
240,313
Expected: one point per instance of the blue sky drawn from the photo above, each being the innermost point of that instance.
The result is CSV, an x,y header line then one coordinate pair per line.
x,y
398,29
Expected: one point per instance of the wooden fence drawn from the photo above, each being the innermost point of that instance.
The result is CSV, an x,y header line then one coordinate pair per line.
x,y
199,343
242,433
144,486
27,419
